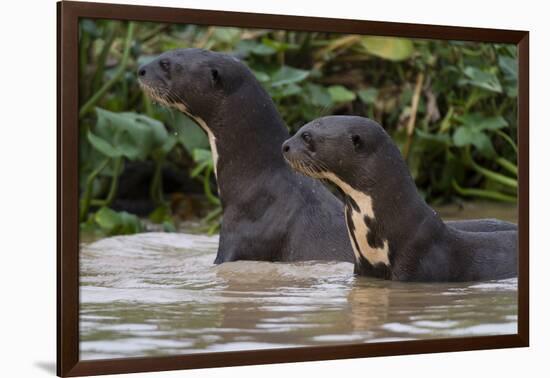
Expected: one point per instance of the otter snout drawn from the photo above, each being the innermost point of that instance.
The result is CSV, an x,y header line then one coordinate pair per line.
x,y
291,150
151,72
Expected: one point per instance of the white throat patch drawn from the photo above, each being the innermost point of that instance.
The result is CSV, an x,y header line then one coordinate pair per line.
x,y
361,230
211,138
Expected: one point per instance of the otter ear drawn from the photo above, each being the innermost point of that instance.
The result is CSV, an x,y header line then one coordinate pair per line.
x,y
357,142
215,74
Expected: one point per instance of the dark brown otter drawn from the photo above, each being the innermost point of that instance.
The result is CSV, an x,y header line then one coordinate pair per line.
x,y
394,233
269,211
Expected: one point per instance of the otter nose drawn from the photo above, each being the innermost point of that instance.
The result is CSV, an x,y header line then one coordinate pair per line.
x,y
286,147
141,72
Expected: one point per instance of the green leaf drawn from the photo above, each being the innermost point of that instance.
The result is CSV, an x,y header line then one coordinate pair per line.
x,y
318,95
278,46
168,226
443,139
479,122
484,145
158,131
226,34
340,94
288,75
160,214
252,47
130,224
107,219
482,79
188,133
368,96
465,136
509,67
103,146
285,91
200,168
262,77
390,48
201,155
129,134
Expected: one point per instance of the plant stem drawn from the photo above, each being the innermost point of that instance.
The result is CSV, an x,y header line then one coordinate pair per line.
x,y
412,119
156,184
507,138
483,193
212,215
508,165
207,190
504,180
120,71
113,188
85,206
497,177
102,59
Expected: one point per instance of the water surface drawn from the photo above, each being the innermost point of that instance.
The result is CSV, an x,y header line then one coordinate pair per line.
x,y
157,294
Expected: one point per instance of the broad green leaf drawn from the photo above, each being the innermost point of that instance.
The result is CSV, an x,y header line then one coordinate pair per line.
x,y
318,95
107,219
285,91
288,75
200,155
169,144
368,96
340,94
168,226
479,122
482,79
103,146
249,46
509,67
160,214
130,224
465,136
226,34
484,145
131,148
279,46
158,131
262,77
443,139
129,134
390,48
188,133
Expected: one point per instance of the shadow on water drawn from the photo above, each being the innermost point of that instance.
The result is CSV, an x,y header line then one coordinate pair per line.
x,y
159,294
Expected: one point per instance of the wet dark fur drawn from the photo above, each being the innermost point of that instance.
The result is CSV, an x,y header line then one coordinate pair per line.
x,y
421,246
269,211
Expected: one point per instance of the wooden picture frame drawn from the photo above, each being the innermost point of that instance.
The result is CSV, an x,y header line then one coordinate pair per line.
x,y
68,362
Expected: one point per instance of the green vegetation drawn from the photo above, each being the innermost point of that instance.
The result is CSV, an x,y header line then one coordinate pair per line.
x,y
450,106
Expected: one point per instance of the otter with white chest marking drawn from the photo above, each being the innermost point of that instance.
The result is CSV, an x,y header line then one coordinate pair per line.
x,y
270,212
395,234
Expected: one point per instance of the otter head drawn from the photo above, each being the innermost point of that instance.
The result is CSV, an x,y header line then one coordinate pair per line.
x,y
335,147
194,81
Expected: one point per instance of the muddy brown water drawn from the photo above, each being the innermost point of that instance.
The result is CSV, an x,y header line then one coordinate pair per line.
x,y
156,294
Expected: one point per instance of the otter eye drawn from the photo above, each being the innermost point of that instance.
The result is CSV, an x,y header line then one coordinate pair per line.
x,y
306,137
215,75
165,64
356,140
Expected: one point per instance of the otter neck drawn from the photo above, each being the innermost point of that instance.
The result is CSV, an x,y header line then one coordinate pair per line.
x,y
382,216
245,132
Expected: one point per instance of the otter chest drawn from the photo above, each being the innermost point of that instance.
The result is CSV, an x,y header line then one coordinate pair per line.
x,y
364,231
